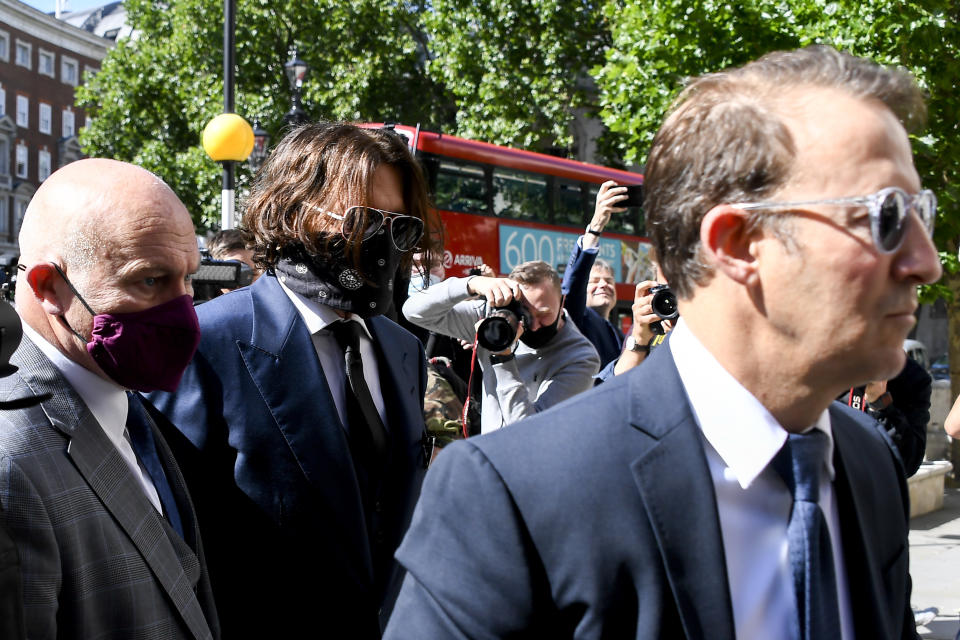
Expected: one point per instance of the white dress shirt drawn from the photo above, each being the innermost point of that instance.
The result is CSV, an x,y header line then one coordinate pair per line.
x,y
107,402
740,439
317,317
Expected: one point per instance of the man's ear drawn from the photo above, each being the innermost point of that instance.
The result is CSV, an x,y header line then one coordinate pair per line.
x,y
43,278
726,239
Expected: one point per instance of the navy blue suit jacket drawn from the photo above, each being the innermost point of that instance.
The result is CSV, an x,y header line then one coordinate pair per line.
x,y
598,519
607,340
269,465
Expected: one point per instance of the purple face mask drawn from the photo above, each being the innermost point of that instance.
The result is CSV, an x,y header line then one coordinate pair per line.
x,y
143,350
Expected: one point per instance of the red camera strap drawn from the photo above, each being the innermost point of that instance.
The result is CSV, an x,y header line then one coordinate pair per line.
x,y
466,403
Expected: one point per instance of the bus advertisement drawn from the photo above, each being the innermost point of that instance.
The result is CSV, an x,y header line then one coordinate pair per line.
x,y
503,206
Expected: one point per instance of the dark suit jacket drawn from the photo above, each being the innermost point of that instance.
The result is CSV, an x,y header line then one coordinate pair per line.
x,y
906,418
598,519
607,340
97,560
270,466
11,590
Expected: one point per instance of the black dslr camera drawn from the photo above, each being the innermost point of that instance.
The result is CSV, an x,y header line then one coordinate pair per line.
x,y
664,304
497,330
216,275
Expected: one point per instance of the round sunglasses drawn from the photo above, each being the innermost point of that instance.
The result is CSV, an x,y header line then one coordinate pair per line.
x,y
405,231
888,210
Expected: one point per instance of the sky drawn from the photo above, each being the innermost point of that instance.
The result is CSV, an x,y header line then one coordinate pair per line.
x,y
47,6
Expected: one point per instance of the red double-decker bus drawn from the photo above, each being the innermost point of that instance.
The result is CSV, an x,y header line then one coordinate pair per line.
x,y
503,206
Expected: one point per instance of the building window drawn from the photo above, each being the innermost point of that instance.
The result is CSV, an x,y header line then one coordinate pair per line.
x,y
43,165
69,70
21,160
24,49
4,156
68,123
4,46
46,117
45,63
20,207
4,223
3,101
23,111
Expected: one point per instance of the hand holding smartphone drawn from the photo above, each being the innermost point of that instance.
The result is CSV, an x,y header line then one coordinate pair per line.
x,y
634,196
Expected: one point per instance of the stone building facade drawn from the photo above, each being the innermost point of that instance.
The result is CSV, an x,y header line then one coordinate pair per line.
x,y
42,61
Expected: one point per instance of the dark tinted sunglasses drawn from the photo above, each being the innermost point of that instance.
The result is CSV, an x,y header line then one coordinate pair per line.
x,y
405,230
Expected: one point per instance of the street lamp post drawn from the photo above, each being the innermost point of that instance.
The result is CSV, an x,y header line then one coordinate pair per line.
x,y
227,191
296,70
261,146
228,138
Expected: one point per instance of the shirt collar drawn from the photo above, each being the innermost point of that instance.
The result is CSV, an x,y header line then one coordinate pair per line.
x,y
741,430
318,316
106,399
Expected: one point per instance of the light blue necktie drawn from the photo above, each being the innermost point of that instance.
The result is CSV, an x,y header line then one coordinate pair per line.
x,y
811,555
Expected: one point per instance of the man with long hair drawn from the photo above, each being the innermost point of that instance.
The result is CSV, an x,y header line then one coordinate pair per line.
x,y
302,410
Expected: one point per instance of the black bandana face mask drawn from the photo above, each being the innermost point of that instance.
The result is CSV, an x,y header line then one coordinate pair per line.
x,y
543,335
331,279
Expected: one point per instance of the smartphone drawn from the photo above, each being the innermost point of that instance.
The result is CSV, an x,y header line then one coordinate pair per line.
x,y
634,196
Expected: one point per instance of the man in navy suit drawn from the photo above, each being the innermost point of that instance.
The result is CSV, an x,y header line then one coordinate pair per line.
x,y
303,487
588,286
788,217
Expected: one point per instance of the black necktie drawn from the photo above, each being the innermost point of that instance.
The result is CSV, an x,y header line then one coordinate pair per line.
x,y
141,439
811,555
366,427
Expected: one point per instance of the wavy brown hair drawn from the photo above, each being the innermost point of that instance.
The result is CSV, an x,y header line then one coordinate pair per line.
x,y
319,165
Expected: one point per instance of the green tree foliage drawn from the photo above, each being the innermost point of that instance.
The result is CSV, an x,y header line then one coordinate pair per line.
x,y
657,44
519,69
154,94
514,72
505,71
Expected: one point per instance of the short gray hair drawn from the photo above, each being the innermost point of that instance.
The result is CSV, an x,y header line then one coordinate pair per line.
x,y
724,140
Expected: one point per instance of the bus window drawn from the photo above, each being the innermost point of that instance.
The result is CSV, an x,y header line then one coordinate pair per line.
x,y
568,204
520,195
461,186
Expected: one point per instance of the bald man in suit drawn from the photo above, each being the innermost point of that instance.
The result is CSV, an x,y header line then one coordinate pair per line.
x,y
103,525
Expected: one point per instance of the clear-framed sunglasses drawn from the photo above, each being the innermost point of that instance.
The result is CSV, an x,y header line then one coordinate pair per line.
x,y
888,210
405,230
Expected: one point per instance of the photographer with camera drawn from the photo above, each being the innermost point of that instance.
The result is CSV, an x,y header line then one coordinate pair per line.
x,y
531,356
236,245
655,313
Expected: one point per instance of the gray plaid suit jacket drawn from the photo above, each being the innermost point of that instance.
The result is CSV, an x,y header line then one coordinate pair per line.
x,y
97,560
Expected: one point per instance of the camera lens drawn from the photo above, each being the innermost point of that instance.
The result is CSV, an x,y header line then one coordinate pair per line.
x,y
495,333
664,303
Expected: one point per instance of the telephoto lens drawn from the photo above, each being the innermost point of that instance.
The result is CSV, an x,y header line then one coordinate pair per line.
x,y
664,302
